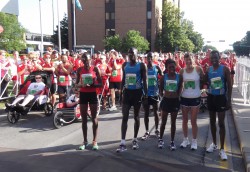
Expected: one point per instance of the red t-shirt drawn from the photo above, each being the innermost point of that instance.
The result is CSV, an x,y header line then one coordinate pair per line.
x,y
116,75
84,74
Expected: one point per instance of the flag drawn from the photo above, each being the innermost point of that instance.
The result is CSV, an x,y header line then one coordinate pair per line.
x,y
78,4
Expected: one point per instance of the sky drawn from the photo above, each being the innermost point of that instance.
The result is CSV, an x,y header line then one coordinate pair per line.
x,y
29,14
216,20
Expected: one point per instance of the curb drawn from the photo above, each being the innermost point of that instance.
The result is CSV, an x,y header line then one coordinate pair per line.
x,y
241,125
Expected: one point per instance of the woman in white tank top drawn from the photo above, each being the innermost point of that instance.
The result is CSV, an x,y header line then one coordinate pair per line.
x,y
191,76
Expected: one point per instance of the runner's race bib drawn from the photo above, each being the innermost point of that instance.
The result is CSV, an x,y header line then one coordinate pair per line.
x,y
32,92
25,77
189,84
131,79
114,73
151,80
61,79
87,79
216,83
171,86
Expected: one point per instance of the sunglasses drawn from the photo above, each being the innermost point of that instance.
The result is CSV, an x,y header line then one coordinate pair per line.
x,y
38,77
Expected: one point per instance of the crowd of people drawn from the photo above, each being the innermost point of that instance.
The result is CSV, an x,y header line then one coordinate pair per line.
x,y
172,81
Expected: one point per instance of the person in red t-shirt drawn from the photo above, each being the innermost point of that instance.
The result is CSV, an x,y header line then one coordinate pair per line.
x,y
23,69
104,90
63,72
88,79
49,67
115,66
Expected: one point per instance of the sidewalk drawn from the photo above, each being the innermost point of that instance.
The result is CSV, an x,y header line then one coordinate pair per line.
x,y
241,114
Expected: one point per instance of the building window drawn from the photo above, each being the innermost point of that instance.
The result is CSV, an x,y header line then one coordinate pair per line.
x,y
110,1
112,16
107,16
110,32
149,15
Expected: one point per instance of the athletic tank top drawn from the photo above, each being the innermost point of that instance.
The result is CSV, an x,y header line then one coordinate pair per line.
x,y
88,77
133,78
171,85
216,80
191,84
153,89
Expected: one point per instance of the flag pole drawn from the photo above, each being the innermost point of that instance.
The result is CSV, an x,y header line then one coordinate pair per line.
x,y
41,28
74,24
59,30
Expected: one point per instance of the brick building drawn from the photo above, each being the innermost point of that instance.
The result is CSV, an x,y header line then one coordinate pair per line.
x,y
100,18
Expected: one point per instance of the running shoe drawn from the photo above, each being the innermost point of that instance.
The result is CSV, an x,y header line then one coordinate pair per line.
x,y
223,155
185,143
212,148
145,136
95,146
194,144
112,108
157,133
160,143
121,148
135,145
172,146
83,146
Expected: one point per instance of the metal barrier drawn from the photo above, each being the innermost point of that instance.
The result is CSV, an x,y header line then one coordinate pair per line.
x,y
242,77
8,78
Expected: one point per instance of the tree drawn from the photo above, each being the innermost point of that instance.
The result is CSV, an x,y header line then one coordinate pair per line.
x,y
177,33
12,38
134,39
64,33
113,42
242,48
192,35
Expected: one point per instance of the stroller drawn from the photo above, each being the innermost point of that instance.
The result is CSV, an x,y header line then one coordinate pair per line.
x,y
39,103
67,115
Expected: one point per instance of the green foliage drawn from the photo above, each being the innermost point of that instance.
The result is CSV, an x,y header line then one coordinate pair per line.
x,y
206,47
113,42
12,38
132,39
242,47
177,33
64,33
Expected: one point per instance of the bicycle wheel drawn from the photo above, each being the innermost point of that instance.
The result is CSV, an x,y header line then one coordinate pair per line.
x,y
48,109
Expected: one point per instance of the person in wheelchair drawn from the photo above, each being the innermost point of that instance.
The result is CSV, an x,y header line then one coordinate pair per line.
x,y
73,100
34,90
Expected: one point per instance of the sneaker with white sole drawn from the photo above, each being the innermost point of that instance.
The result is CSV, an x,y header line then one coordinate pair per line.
x,y
185,143
121,148
194,144
145,136
135,145
212,148
160,143
112,108
223,155
172,146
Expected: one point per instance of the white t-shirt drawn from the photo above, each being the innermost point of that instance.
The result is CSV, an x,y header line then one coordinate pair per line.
x,y
35,87
72,99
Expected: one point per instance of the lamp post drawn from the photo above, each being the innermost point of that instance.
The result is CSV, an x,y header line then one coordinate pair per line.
x,y
59,30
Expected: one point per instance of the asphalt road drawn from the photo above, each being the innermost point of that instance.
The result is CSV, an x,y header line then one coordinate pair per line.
x,y
33,144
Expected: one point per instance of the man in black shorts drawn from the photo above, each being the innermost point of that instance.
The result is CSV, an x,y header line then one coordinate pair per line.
x,y
219,99
135,83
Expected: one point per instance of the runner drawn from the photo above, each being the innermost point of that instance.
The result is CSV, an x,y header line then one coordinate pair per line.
x,y
191,76
88,78
153,95
170,86
135,84
115,66
63,72
219,99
